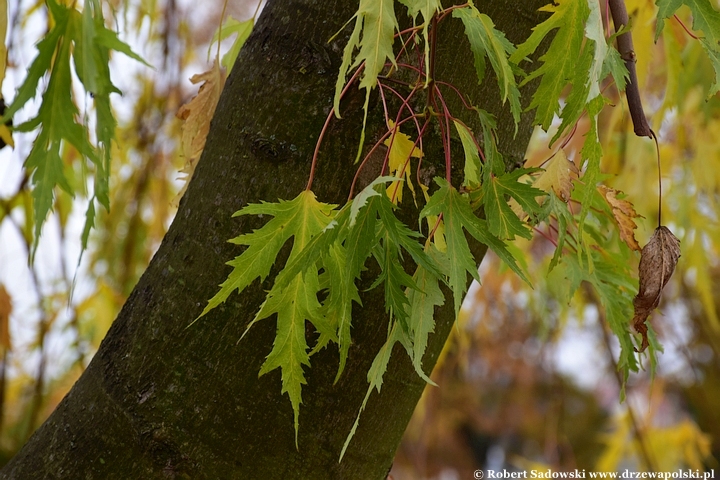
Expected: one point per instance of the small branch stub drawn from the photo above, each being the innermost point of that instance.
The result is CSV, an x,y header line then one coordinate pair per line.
x,y
627,52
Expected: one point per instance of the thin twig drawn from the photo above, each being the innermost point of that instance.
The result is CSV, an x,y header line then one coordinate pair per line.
x,y
369,154
43,328
325,127
687,30
446,133
657,150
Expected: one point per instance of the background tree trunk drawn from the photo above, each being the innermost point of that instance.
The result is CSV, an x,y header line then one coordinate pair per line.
x,y
160,400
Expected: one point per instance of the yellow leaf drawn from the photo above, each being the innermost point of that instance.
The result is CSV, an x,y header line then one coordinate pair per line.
x,y
197,115
6,136
5,133
682,443
643,33
624,213
698,261
401,150
558,176
5,311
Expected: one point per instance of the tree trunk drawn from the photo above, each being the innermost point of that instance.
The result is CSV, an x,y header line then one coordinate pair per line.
x,y
161,400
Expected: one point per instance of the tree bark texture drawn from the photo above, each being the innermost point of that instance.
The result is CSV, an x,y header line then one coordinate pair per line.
x,y
160,400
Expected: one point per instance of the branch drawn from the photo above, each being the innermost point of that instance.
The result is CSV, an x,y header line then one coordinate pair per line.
x,y
625,47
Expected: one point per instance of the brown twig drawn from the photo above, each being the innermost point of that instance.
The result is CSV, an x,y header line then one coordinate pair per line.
x,y
625,47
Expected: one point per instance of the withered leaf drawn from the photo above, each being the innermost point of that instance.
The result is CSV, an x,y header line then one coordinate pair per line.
x,y
657,264
624,212
558,176
197,114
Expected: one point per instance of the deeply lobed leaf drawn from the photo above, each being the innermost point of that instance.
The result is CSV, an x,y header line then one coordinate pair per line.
x,y
458,217
375,19
301,218
80,37
560,61
502,221
487,41
472,154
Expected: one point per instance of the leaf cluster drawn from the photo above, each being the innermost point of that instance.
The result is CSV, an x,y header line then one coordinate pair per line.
x,y
79,40
333,246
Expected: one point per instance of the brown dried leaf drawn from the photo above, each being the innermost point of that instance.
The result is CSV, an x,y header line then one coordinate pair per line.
x,y
624,212
5,311
657,264
558,176
197,114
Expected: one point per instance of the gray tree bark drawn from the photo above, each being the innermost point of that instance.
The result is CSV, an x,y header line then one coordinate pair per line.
x,y
160,400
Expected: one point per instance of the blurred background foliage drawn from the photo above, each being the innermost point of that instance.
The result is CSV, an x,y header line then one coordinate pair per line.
x,y
528,378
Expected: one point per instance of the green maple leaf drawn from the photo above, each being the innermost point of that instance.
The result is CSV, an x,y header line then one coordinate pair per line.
x,y
594,31
40,65
362,234
615,65
396,281
396,237
301,218
494,163
457,217
487,41
427,8
705,18
379,26
666,8
714,56
341,250
611,280
422,301
355,236
402,236
241,30
294,300
375,19
293,305
559,210
375,374
592,153
337,308
83,38
560,61
576,100
472,155
502,221
57,115
448,202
